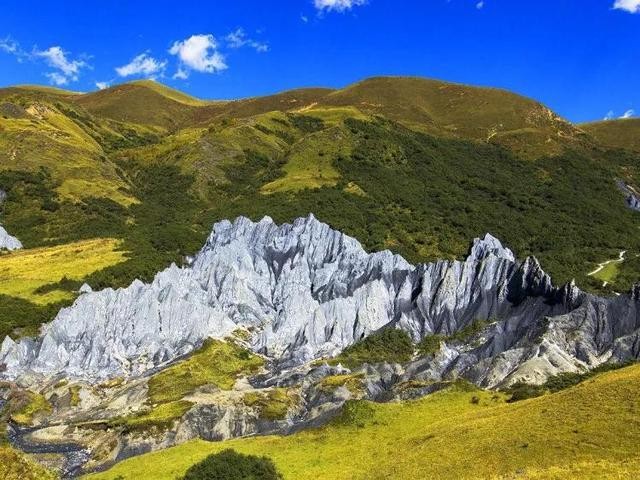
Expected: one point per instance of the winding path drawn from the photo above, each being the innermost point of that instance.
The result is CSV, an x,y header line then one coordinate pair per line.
x,y
603,264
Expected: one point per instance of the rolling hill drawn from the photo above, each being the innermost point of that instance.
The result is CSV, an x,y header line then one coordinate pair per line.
x,y
392,161
622,133
588,431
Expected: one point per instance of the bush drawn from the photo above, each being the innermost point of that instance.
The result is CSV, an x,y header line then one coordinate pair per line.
x,y
430,345
389,345
231,465
522,391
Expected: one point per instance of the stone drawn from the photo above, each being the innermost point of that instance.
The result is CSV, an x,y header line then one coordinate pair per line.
x,y
306,291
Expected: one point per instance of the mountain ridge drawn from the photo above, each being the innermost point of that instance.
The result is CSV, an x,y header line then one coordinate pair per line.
x,y
63,167
274,328
306,291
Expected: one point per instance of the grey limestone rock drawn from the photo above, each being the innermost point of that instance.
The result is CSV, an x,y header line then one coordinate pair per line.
x,y
8,242
307,291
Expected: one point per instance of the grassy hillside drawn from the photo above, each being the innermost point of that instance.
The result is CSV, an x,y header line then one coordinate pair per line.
x,y
460,111
141,103
32,274
436,107
623,133
15,465
41,130
418,166
589,431
170,93
35,283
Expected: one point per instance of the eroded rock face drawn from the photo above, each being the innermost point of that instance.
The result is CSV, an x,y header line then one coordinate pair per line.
x,y
307,291
8,242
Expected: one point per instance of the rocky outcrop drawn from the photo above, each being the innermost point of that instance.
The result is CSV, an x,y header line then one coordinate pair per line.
x,y
631,195
307,291
8,242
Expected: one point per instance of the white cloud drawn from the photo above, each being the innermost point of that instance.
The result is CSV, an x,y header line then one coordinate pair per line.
x,y
181,74
143,65
102,85
631,6
304,18
199,53
480,5
611,114
65,69
238,38
337,5
8,45
57,78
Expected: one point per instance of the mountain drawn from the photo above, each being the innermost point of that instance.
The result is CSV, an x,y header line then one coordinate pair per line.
x,y
622,133
304,291
142,102
154,168
435,107
130,326
456,433
271,328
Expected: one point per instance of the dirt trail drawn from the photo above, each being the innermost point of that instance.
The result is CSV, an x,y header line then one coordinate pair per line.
x,y
604,264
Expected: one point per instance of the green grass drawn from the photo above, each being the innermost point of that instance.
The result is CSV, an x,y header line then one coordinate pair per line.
x,y
68,143
74,392
470,330
430,345
588,431
30,407
353,383
217,362
460,111
15,465
272,405
609,272
310,162
521,391
171,93
621,133
160,417
23,273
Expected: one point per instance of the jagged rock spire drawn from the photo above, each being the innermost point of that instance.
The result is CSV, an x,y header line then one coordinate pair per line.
x,y
306,290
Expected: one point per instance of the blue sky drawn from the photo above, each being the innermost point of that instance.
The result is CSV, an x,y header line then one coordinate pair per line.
x,y
580,57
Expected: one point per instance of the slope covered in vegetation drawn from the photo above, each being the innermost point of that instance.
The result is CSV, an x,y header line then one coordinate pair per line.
x,y
587,431
417,166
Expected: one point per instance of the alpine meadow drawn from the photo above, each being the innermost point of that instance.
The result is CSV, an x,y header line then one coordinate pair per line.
x,y
395,277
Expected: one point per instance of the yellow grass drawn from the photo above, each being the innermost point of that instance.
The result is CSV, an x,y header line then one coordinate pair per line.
x,y
24,271
18,466
591,431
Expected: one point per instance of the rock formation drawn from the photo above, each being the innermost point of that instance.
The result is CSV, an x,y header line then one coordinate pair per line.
x,y
306,291
7,242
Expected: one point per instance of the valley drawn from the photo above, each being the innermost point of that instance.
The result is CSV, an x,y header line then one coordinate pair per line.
x,y
459,432
393,260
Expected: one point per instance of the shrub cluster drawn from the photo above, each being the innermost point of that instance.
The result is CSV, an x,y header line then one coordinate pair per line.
x,y
231,465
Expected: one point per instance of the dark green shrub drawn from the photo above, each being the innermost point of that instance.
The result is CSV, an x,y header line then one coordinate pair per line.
x,y
522,391
389,345
231,465
357,413
430,345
